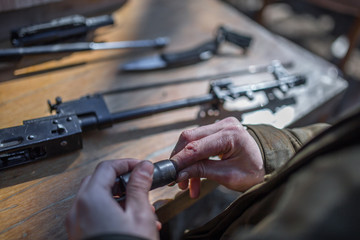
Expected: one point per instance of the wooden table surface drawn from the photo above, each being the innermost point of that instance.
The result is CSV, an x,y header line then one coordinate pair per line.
x,y
35,198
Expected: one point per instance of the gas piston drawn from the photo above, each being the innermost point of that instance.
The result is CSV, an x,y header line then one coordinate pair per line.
x,y
165,172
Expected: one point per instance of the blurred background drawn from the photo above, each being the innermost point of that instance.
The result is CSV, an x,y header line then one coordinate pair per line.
x,y
328,28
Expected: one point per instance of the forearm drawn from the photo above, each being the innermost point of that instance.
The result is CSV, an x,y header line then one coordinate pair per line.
x,y
277,146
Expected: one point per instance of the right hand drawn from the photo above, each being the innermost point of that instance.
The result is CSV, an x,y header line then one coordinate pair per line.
x,y
95,212
241,165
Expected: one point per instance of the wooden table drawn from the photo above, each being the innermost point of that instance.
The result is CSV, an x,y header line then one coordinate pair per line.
x,y
35,198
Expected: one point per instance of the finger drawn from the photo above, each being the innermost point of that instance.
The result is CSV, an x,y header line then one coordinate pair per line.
x,y
107,171
183,184
218,171
71,216
137,189
215,144
84,183
194,188
198,133
158,225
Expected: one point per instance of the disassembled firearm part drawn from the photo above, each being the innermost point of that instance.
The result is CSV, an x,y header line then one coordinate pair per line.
x,y
61,133
252,69
83,46
57,29
165,172
200,53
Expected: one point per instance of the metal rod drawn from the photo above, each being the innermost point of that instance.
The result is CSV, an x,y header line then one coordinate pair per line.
x,y
164,107
83,46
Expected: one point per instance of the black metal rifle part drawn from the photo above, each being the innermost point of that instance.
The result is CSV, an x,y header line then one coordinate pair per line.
x,y
165,172
200,53
83,46
61,133
57,29
252,69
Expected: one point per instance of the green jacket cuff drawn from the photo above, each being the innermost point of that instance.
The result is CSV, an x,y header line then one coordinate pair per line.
x,y
277,146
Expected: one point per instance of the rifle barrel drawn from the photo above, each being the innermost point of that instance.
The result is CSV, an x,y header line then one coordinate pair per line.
x,y
164,107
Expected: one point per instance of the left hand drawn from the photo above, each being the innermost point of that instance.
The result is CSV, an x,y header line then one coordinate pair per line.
x,y
95,212
241,165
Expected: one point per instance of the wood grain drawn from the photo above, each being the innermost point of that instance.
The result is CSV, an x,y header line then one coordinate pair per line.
x,y
35,198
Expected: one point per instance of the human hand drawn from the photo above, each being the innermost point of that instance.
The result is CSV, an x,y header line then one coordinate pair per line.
x,y
241,165
95,211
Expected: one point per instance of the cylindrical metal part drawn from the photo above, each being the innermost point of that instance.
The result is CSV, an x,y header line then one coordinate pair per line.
x,y
165,172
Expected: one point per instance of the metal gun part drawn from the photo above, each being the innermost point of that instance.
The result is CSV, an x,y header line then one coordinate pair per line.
x,y
57,29
83,46
165,172
50,136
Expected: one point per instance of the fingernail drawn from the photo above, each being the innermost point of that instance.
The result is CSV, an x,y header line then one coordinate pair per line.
x,y
147,168
172,184
182,176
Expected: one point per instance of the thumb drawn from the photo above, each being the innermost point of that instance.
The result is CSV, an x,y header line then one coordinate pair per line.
x,y
137,189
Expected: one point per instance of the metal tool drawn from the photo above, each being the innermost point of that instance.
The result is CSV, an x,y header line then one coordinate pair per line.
x,y
83,46
165,172
200,53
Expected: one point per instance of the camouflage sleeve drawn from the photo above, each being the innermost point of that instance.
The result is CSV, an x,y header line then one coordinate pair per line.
x,y
277,146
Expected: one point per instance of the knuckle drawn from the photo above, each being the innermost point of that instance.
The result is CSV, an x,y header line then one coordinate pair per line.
x,y
82,203
84,180
143,178
227,141
140,181
136,187
233,128
144,217
192,147
103,165
232,136
186,135
188,154
231,120
233,124
200,170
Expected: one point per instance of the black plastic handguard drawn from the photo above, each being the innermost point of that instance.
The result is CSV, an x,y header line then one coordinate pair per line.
x,y
240,40
206,50
57,29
